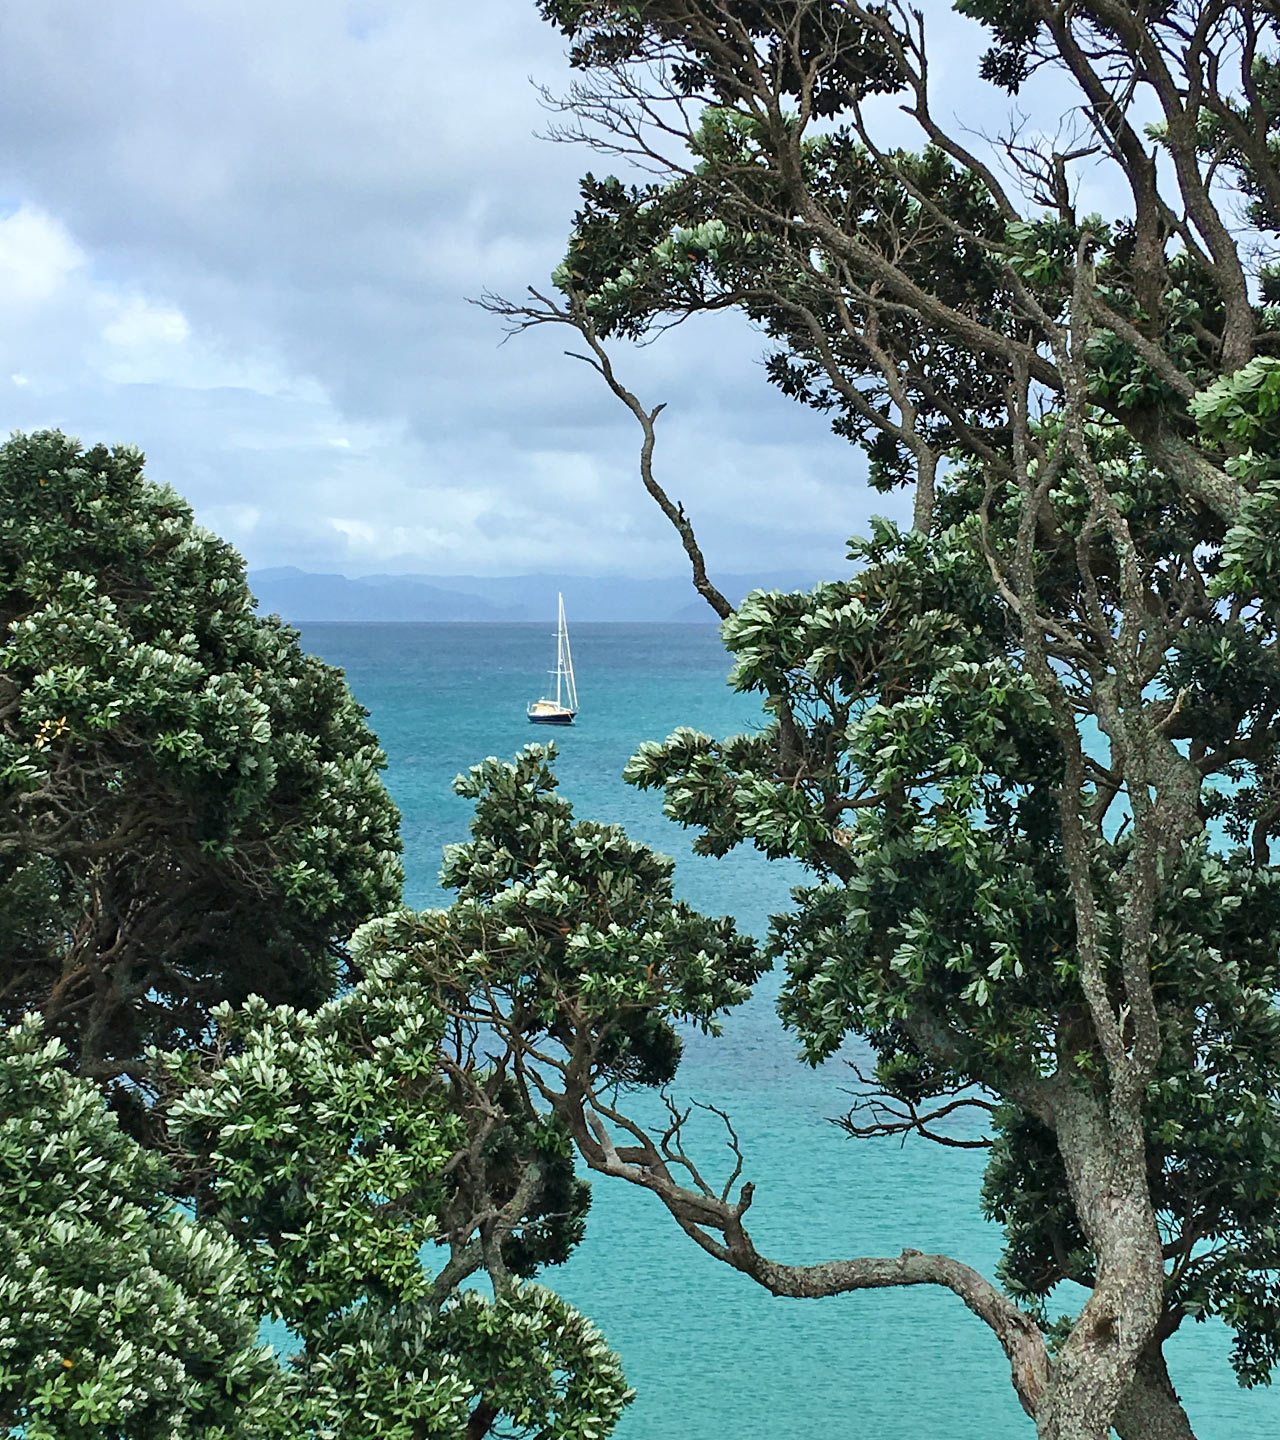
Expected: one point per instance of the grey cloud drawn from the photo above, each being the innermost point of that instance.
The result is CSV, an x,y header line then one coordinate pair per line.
x,y
313,187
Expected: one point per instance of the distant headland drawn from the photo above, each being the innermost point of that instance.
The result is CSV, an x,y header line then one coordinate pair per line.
x,y
300,596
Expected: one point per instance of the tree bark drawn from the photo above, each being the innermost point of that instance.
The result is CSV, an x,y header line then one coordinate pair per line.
x,y
1150,1409
1096,1367
481,1421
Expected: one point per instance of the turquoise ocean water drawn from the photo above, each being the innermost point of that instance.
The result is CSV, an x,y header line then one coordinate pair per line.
x,y
709,1353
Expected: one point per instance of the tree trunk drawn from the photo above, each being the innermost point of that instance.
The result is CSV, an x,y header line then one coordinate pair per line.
x,y
1150,1408
1095,1369
481,1422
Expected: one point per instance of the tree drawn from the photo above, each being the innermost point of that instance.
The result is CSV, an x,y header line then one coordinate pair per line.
x,y
1029,750
330,1153
338,1148
118,1316
190,806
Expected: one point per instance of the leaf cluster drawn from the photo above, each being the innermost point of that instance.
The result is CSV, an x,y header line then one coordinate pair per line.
x,y
118,1315
855,62
362,1169
911,763
190,807
333,1155
563,922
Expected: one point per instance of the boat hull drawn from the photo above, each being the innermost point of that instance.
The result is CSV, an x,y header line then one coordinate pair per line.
x,y
566,718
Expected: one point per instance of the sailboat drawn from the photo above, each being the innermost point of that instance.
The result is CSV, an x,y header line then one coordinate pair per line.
x,y
564,707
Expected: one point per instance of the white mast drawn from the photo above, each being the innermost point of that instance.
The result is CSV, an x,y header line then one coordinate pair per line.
x,y
560,653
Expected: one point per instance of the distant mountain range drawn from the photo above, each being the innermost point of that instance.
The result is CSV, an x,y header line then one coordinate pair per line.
x,y
299,596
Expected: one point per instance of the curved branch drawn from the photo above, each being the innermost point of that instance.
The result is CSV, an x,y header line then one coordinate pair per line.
x,y
716,1225
548,312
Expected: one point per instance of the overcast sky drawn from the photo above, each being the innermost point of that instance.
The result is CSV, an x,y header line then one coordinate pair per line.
x,y
241,234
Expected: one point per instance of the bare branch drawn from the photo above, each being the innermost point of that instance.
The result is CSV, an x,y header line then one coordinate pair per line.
x,y
547,311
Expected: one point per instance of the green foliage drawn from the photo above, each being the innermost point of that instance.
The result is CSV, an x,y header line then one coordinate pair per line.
x,y
553,912
322,1138
119,1317
1213,1121
1242,410
1240,414
332,1154
640,255
191,807
915,774
546,1367
911,767
403,1374
564,937
604,32
342,1148
194,817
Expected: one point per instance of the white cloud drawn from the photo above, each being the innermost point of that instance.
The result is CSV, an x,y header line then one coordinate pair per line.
x,y
252,260
139,324
227,519
71,323
360,531
37,256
